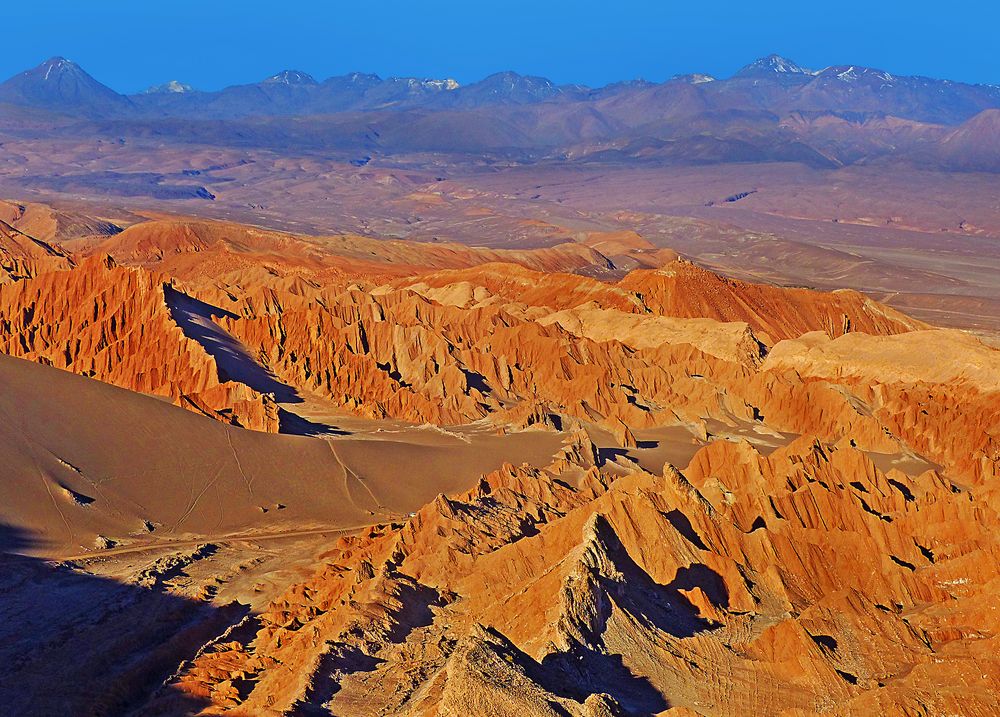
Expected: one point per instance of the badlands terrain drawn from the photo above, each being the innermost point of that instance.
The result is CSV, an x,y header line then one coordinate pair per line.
x,y
368,397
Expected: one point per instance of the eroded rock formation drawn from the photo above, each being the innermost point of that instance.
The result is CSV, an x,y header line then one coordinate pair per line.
x,y
848,568
114,323
804,582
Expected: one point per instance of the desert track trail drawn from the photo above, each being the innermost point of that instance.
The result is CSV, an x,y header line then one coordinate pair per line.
x,y
169,545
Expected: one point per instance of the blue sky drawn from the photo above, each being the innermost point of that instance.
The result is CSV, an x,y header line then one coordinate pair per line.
x,y
129,44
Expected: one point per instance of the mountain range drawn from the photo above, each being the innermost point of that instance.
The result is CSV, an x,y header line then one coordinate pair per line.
x,y
772,110
771,84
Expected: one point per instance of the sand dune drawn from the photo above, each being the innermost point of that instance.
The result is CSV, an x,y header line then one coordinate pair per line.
x,y
83,459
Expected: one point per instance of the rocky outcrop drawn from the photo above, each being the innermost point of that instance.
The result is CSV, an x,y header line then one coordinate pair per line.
x,y
733,588
112,323
773,313
671,346
23,255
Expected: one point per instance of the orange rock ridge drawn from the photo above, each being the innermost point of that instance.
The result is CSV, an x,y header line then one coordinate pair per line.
x,y
113,323
608,590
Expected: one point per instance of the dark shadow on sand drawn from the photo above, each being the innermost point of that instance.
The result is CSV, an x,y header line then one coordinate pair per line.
x,y
296,425
74,643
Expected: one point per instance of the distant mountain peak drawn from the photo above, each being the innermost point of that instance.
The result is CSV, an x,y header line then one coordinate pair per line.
x,y
363,77
855,73
291,77
443,85
510,81
62,85
172,87
58,61
773,65
55,67
446,84
694,78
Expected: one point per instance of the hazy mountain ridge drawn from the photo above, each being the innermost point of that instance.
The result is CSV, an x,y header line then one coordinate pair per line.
x,y
773,82
771,110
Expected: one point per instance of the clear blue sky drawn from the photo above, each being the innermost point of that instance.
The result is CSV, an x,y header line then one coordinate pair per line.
x,y
130,44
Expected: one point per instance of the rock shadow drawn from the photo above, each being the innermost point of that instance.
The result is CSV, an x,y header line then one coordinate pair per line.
x,y
663,607
294,424
582,672
593,667
682,524
75,643
197,320
345,659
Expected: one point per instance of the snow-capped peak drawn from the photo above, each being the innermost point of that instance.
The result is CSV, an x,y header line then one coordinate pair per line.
x,y
774,64
447,84
855,73
848,75
57,66
291,77
694,78
171,87
432,85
